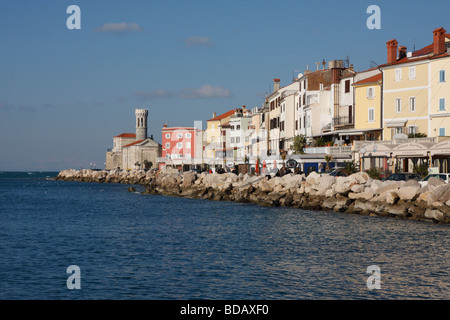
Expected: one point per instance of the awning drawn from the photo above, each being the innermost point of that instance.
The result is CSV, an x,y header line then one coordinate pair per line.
x,y
356,132
441,148
406,150
395,124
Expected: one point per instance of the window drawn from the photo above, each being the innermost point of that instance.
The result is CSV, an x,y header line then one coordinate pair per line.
x,y
321,86
232,140
238,139
398,105
398,130
370,93
180,145
179,135
412,104
167,135
188,135
371,114
398,74
167,145
442,104
188,145
232,128
238,127
442,76
412,73
212,139
307,122
442,132
347,86
413,130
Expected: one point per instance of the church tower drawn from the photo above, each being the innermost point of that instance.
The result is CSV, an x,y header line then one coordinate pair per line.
x,y
141,124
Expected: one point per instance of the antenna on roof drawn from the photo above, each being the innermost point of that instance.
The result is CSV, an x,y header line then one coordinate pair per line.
x,y
373,64
294,72
347,62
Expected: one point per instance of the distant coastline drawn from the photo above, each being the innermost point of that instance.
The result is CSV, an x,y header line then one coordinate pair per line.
x,y
357,194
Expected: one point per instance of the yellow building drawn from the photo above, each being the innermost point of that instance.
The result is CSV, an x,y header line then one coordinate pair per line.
x,y
414,97
439,106
213,132
368,124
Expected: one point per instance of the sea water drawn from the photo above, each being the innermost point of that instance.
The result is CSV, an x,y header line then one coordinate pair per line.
x,y
133,246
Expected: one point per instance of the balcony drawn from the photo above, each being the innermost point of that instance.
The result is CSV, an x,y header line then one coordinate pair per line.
x,y
328,150
343,121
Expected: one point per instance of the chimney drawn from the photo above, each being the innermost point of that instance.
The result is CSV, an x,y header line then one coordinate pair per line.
x,y
164,125
276,84
214,115
392,50
402,52
439,41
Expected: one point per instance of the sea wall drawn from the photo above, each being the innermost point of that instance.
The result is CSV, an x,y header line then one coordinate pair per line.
x,y
357,194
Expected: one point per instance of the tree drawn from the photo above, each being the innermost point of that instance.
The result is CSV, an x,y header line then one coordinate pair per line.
x,y
349,167
421,169
417,135
148,164
299,144
328,158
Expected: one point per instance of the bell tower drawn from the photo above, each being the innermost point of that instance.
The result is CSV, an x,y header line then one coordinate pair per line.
x,y
141,124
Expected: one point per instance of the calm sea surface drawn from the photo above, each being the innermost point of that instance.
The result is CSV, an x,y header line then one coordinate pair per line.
x,y
133,246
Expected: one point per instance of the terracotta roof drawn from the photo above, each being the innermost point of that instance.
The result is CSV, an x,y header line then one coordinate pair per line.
x,y
126,135
373,79
414,59
223,116
133,143
179,128
423,51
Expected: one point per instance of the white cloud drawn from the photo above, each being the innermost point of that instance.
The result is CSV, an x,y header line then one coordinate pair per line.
x,y
159,93
198,41
119,28
206,91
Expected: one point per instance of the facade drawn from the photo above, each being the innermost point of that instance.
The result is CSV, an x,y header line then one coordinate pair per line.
x,y
368,112
415,117
281,115
415,92
134,150
181,146
213,133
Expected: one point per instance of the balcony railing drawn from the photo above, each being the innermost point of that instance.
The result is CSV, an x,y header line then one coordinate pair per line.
x,y
328,150
343,121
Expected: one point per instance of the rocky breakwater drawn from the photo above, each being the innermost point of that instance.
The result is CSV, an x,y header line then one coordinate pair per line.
x,y
358,193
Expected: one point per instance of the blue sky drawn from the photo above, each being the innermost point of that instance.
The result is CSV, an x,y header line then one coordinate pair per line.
x,y
65,93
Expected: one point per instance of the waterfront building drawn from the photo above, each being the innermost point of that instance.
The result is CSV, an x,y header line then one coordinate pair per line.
x,y
326,107
415,112
415,90
281,114
212,133
368,125
134,150
181,147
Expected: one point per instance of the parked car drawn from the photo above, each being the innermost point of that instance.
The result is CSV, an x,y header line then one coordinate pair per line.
x,y
404,176
442,176
336,172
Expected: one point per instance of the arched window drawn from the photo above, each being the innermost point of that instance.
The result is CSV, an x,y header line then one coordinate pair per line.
x,y
142,122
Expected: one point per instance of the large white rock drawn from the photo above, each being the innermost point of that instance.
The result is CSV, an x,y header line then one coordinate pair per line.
x,y
408,193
